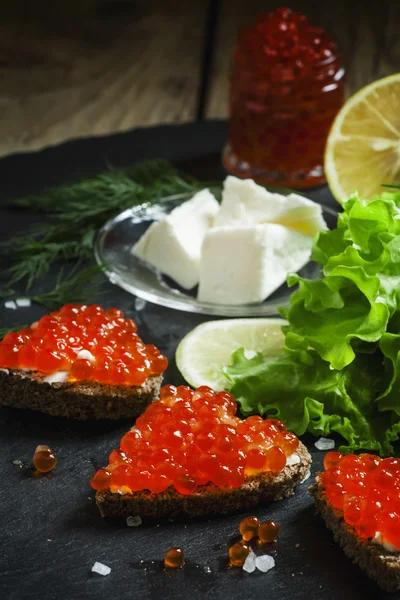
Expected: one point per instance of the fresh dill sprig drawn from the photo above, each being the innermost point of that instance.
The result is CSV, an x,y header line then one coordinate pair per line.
x,y
5,330
77,210
34,259
77,287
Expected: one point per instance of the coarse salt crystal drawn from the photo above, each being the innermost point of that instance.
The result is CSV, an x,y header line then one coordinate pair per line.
x,y
101,569
293,459
324,444
10,304
265,563
250,563
134,521
249,354
139,304
23,302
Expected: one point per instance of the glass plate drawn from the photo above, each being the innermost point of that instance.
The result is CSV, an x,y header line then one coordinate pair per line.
x,y
113,246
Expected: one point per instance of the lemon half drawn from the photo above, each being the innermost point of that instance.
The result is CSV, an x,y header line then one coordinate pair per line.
x,y
363,147
205,350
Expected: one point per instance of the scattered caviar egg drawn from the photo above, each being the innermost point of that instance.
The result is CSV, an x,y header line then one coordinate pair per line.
x,y
190,438
174,558
44,460
237,554
88,342
268,532
248,528
366,489
331,459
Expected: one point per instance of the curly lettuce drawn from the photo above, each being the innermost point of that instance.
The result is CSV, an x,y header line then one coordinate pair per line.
x,y
340,371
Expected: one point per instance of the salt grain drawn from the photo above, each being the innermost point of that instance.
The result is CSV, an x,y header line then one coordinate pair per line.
x,y
10,304
23,302
250,563
139,304
134,521
325,444
265,563
101,569
207,570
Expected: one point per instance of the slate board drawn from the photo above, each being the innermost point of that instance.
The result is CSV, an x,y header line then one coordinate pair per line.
x,y
50,530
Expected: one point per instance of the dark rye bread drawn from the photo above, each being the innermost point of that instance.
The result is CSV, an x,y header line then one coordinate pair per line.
x,y
207,499
379,564
76,400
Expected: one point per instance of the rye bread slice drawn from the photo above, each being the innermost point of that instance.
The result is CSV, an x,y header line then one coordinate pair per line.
x,y
76,400
207,499
378,563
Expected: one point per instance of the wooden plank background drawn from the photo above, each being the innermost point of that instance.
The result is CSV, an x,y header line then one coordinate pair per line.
x,y
92,67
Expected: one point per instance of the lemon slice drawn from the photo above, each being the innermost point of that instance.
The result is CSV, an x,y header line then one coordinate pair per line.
x,y
363,147
203,352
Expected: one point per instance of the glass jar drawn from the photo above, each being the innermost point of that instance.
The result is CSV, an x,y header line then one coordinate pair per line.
x,y
282,106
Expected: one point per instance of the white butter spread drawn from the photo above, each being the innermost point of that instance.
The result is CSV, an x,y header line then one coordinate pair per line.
x,y
379,539
57,377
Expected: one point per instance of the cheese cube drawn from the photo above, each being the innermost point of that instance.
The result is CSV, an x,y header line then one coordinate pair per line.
x,y
245,202
246,264
173,245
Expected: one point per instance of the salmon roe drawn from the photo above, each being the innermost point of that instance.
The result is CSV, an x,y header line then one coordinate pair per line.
x,y
44,460
190,438
367,489
237,554
88,342
174,558
248,528
268,532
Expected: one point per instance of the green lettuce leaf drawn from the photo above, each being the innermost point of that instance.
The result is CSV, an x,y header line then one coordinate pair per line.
x,y
314,397
340,371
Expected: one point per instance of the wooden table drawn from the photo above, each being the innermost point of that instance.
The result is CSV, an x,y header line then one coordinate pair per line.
x,y
76,69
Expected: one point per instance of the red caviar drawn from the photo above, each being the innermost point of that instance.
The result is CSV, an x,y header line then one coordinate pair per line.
x,y
87,341
268,532
367,489
191,438
44,460
237,554
286,89
174,558
248,528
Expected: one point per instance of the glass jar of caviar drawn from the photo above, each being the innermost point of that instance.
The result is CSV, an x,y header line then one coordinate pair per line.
x,y
286,87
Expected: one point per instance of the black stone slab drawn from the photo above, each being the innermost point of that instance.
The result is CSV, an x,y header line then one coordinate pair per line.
x,y
50,530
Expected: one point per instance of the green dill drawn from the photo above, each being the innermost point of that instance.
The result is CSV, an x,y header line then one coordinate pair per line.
x,y
75,211
76,287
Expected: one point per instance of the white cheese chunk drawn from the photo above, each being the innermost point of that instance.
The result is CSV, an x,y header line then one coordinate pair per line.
x,y
173,245
245,264
245,202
